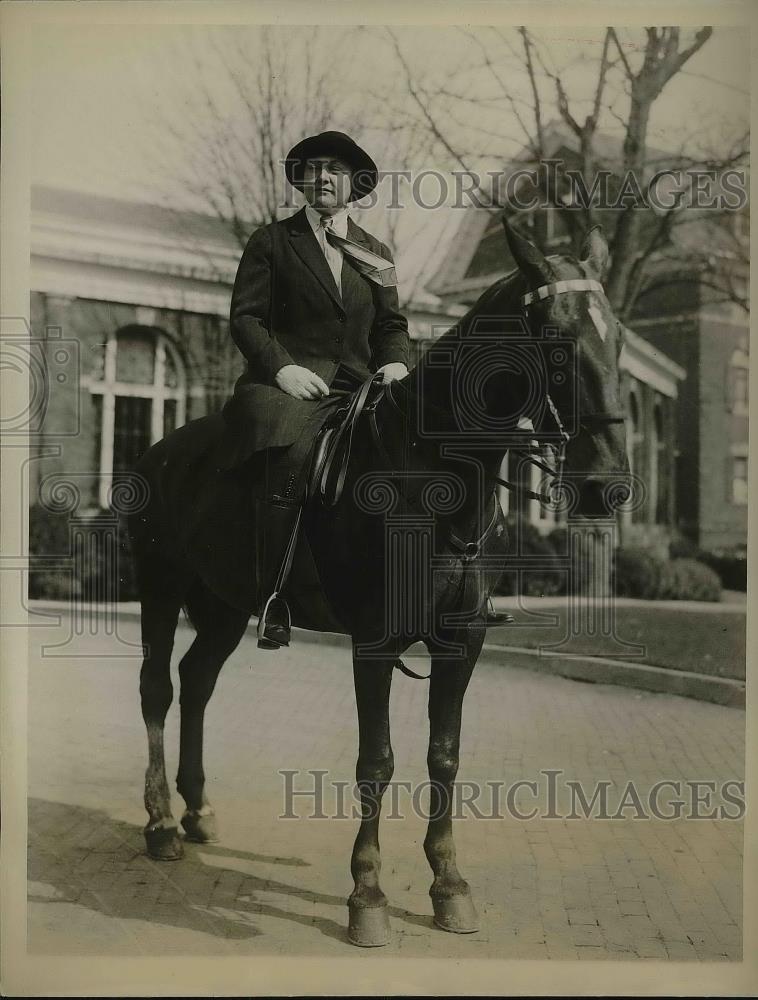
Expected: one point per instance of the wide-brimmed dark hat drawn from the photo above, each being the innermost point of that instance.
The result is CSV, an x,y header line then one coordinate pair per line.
x,y
365,171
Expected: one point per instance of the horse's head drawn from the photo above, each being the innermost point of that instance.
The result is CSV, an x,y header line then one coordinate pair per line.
x,y
565,299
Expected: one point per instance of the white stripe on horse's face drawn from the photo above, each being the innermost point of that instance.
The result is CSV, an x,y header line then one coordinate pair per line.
x,y
597,318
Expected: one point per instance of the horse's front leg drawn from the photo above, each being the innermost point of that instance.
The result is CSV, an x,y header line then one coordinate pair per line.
x,y
367,906
451,897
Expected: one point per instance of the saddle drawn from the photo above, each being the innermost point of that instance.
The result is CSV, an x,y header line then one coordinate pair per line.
x,y
329,463
334,441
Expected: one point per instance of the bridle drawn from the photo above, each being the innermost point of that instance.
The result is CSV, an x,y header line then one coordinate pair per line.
x,y
361,402
539,294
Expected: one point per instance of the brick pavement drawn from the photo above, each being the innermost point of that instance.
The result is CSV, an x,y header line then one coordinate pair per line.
x,y
546,888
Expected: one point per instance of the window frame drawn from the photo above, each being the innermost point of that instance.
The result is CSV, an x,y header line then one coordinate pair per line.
x,y
739,453
739,362
108,388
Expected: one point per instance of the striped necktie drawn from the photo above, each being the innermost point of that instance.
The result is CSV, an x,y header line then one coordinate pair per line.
x,y
366,262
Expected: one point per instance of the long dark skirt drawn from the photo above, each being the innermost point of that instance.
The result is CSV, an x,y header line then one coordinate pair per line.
x,y
277,432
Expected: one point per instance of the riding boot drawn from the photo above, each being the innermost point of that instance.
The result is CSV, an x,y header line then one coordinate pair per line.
x,y
276,524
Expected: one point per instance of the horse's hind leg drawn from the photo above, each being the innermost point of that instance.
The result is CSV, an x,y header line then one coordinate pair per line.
x,y
219,630
159,618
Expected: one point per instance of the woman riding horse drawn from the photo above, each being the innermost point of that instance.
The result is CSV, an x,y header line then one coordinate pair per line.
x,y
419,506
314,309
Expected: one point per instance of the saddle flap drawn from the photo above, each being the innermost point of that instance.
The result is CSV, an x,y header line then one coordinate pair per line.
x,y
332,450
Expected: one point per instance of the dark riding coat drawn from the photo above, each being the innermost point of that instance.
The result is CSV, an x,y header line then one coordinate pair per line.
x,y
287,309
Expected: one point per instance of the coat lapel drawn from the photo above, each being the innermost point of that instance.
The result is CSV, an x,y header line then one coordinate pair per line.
x,y
306,246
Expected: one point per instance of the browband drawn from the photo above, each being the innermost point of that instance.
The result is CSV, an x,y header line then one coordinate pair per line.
x,y
569,285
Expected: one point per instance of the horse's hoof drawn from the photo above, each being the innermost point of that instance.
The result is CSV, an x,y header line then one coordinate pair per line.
x,y
163,843
368,926
200,827
456,914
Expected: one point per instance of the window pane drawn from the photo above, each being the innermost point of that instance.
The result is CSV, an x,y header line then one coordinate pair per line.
x,y
169,416
135,358
131,431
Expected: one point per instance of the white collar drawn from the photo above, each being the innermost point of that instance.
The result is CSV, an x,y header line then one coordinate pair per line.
x,y
339,220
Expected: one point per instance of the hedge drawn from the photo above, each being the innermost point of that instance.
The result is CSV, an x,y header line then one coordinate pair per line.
x,y
731,567
78,572
640,574
637,572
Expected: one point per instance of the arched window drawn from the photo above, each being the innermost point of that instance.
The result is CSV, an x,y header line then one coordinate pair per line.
x,y
138,390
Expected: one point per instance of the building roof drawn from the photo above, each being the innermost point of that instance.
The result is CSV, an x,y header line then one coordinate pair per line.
x,y
101,209
477,254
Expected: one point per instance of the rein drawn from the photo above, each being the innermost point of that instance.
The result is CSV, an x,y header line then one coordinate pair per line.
x,y
528,452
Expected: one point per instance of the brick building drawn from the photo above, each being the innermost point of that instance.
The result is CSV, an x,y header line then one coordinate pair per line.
x,y
141,296
131,302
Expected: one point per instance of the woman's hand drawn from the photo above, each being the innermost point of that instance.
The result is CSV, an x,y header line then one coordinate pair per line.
x,y
301,382
392,371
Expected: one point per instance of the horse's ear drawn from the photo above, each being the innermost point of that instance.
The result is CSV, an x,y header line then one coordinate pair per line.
x,y
530,259
595,251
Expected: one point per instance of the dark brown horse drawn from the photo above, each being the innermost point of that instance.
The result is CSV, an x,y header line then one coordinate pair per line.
x,y
410,551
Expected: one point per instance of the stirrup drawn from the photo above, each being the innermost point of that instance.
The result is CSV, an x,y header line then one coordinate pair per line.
x,y
273,635
494,618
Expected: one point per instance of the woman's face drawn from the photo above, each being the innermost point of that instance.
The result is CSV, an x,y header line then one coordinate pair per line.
x,y
327,182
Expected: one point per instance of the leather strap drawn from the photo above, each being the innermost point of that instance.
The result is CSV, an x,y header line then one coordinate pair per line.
x,y
340,445
558,287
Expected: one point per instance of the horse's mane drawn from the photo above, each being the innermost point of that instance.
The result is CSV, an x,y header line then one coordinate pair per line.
x,y
513,284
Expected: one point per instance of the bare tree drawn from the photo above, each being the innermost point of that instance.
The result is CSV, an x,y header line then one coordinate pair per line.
x,y
510,94
253,94
247,97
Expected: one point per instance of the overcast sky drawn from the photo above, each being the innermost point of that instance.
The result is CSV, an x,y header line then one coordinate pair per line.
x,y
99,91
95,88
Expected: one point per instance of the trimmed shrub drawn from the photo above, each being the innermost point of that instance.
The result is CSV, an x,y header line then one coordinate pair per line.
x,y
683,547
640,574
88,574
637,573
49,537
731,568
688,580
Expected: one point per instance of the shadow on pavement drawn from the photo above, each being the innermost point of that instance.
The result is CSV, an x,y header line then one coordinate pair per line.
x,y
84,857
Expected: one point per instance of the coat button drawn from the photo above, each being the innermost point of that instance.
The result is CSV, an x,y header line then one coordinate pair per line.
x,y
341,319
